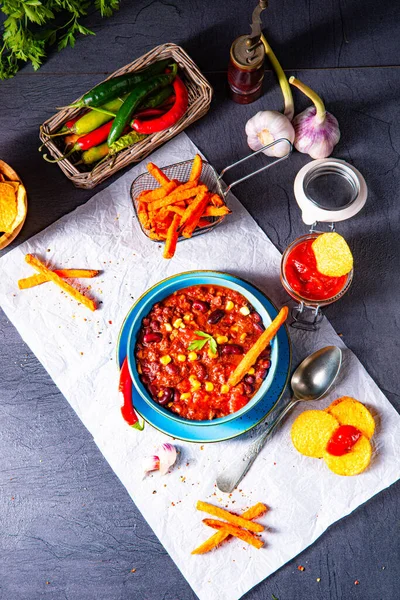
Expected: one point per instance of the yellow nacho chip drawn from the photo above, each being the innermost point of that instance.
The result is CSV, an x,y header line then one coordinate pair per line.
x,y
349,411
8,207
311,432
352,463
333,255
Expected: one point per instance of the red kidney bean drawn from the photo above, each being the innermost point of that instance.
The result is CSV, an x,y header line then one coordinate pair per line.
x,y
177,395
146,322
250,379
168,395
256,317
265,353
172,369
262,373
200,370
215,316
201,306
150,338
248,389
155,325
259,327
153,390
227,349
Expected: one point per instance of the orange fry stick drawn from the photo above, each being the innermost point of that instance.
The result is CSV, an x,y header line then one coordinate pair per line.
x,y
143,215
216,200
216,211
66,287
34,280
172,238
158,193
203,223
215,540
182,192
216,511
176,209
196,168
157,173
242,534
195,214
251,356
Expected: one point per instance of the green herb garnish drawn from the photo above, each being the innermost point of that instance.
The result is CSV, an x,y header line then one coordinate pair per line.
x,y
199,344
32,26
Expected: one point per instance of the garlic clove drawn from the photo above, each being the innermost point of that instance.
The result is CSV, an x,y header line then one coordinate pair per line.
x,y
151,463
167,456
267,126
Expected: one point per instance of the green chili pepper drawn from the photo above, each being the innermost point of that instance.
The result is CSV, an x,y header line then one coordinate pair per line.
x,y
117,86
125,141
137,96
157,98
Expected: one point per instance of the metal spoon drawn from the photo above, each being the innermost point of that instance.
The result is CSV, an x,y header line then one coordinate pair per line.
x,y
310,381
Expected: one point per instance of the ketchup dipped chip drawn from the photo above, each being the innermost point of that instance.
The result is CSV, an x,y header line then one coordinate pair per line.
x,y
353,462
349,411
332,254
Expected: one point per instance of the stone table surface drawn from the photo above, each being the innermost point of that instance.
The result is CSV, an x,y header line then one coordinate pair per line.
x,y
68,529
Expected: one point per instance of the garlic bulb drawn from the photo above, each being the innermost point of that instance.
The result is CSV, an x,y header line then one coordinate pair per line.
x,y
317,131
266,127
164,458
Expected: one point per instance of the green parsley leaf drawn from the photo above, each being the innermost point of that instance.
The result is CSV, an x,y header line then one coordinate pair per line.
x,y
199,344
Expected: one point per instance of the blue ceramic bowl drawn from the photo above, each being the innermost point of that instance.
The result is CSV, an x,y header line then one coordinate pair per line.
x,y
183,280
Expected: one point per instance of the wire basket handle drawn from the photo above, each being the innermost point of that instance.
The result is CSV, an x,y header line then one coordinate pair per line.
x,y
230,186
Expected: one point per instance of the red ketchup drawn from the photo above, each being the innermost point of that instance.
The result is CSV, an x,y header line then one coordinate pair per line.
x,y
304,278
343,440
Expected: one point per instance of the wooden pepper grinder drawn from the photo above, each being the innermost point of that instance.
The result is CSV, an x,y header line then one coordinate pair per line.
x,y
246,65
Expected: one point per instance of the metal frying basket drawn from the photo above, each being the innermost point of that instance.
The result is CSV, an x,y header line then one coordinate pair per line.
x,y
209,177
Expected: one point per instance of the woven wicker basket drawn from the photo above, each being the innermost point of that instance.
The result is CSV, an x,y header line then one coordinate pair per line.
x,y
200,94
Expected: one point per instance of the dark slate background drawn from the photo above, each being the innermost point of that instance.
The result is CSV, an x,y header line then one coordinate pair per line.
x,y
68,529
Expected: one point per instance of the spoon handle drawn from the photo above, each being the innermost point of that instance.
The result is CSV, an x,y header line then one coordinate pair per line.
x,y
234,473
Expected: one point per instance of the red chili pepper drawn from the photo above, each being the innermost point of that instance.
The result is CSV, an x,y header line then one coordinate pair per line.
x,y
343,440
171,117
125,387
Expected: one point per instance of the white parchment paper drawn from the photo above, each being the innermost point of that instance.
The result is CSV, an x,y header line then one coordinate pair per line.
x,y
77,348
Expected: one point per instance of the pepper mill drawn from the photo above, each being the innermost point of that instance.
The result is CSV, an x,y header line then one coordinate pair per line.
x,y
246,65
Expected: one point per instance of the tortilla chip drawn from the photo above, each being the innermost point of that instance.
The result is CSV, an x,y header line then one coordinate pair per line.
x,y
8,207
333,255
311,432
349,411
352,463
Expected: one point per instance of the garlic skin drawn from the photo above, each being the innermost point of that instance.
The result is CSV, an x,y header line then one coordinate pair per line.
x,y
313,137
164,458
267,126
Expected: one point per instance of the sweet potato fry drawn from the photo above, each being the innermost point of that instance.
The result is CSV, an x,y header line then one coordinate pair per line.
x,y
216,511
194,214
66,287
215,540
203,223
38,279
242,534
158,193
251,356
178,210
182,192
143,215
172,238
216,200
216,211
157,173
196,168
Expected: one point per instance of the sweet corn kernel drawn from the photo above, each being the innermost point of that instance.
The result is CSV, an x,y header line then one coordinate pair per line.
x,y
229,305
192,356
185,396
234,328
224,389
168,327
211,354
221,339
164,360
177,323
182,326
196,385
187,317
209,386
192,378
251,371
244,311
181,357
173,335
243,337
139,369
160,394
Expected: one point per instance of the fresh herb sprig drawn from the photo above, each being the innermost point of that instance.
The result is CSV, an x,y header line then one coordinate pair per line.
x,y
199,344
32,26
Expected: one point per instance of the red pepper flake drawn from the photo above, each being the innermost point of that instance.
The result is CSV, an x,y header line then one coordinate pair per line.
x,y
356,582
154,491
47,582
110,322
133,570
301,568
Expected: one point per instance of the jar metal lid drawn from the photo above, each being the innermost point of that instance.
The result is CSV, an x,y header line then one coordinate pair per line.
x,y
329,190
244,58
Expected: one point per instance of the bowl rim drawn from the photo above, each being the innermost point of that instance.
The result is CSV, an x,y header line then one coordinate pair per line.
x,y
141,390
